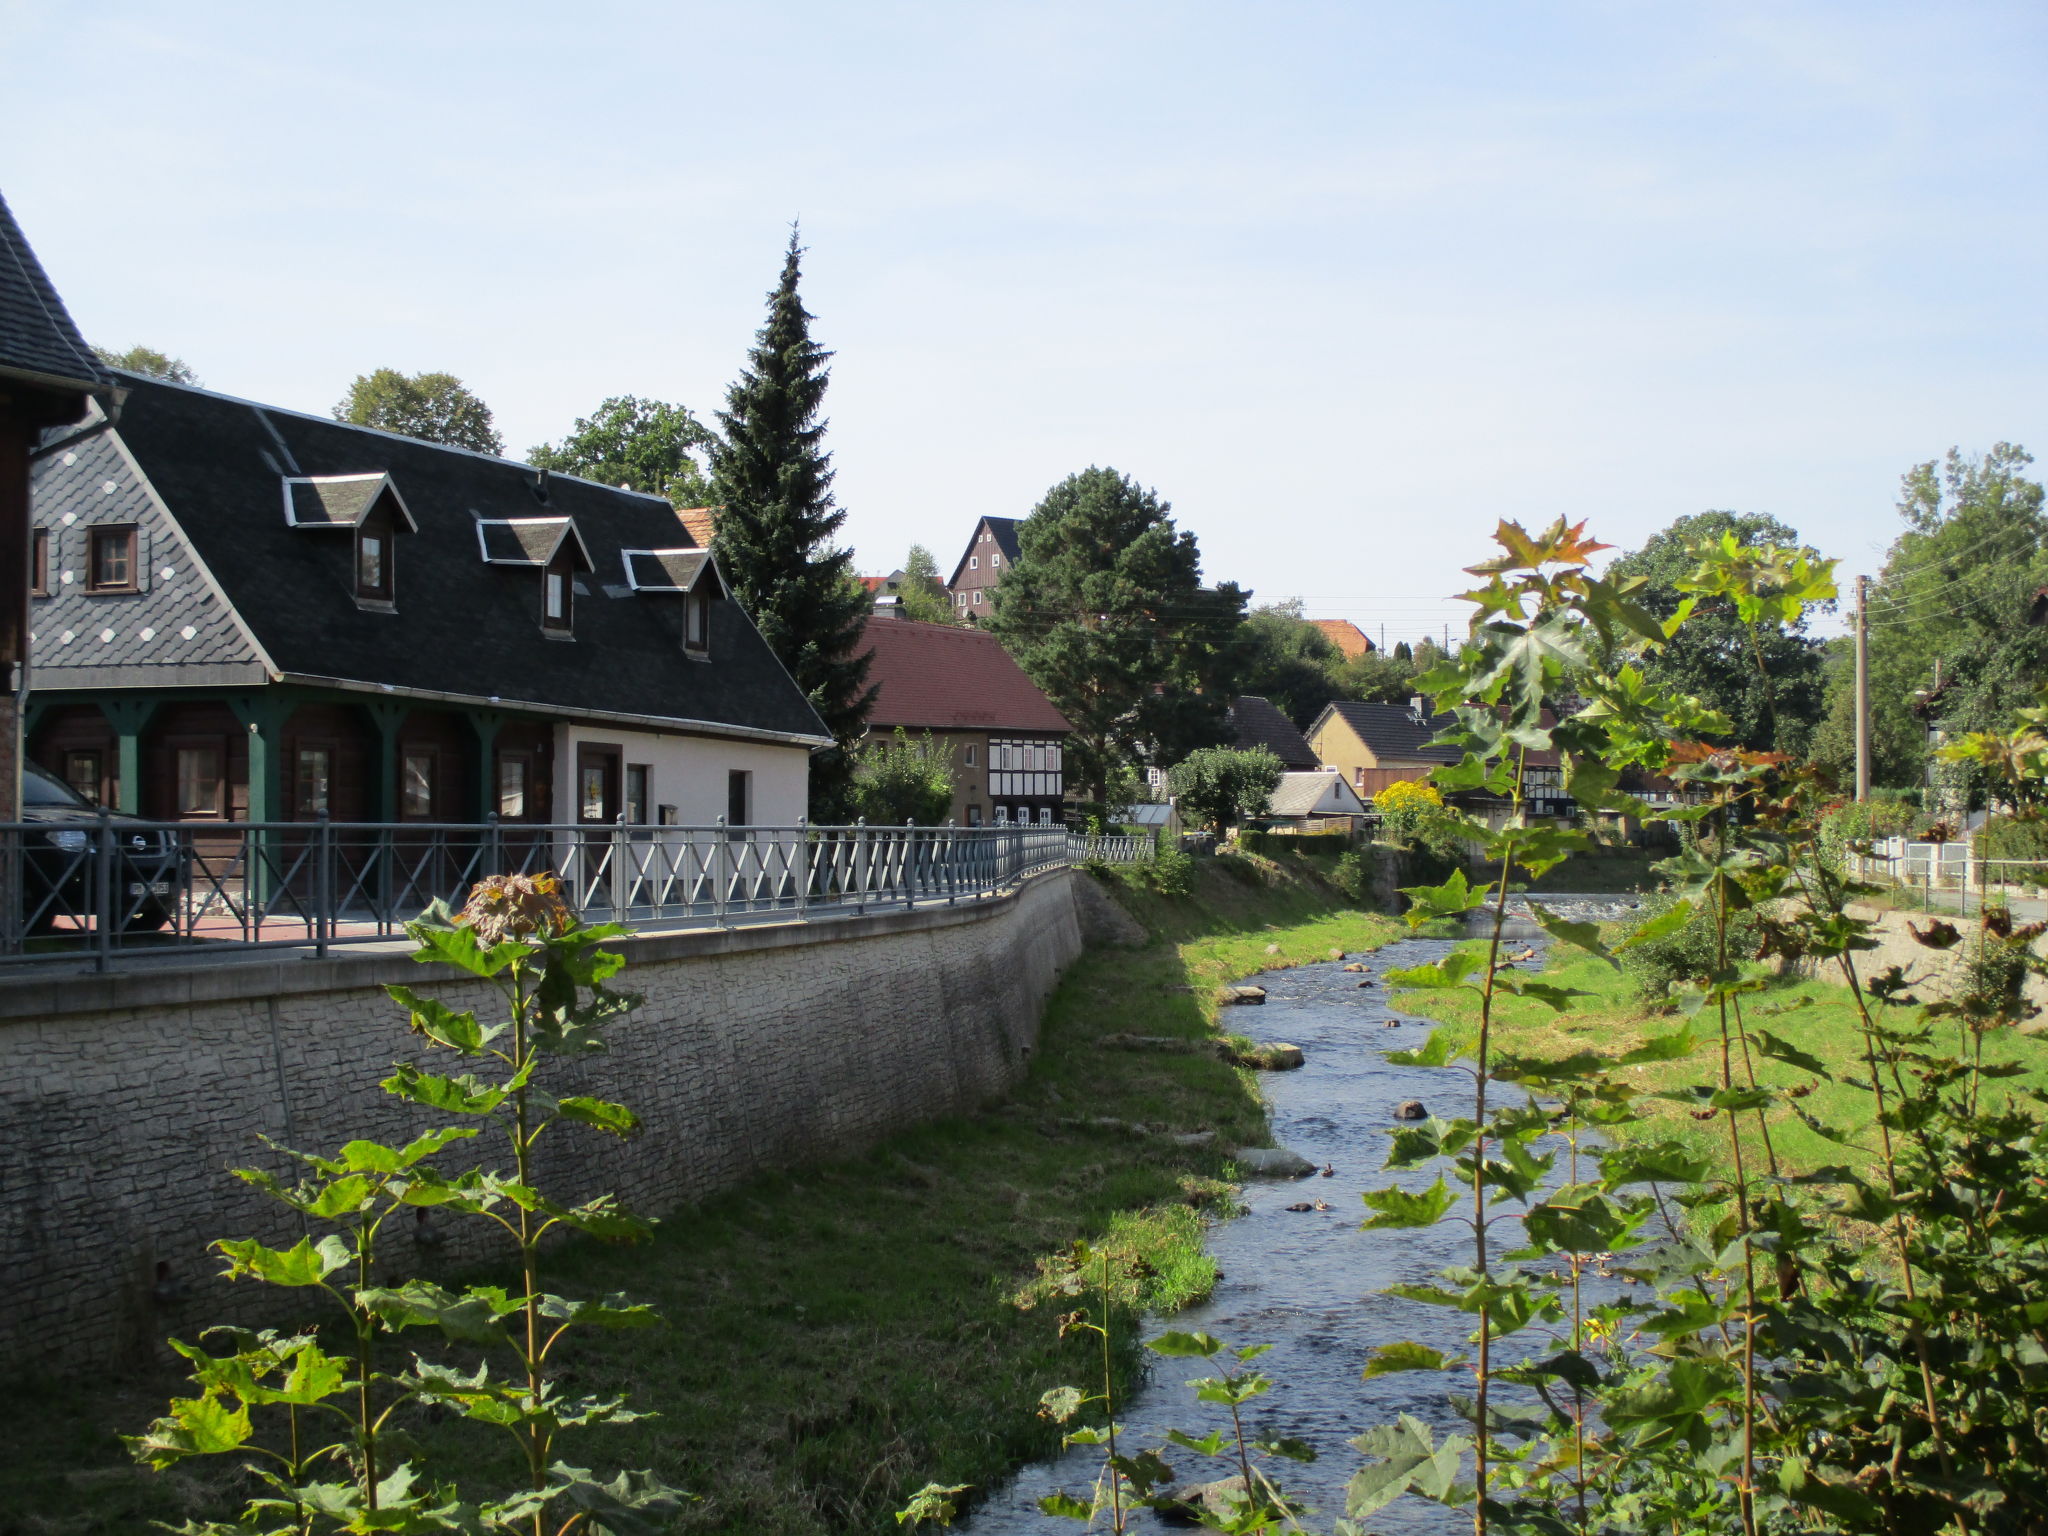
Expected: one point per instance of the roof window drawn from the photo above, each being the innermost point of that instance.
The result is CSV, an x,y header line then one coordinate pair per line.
x,y
690,574
367,505
550,543
110,557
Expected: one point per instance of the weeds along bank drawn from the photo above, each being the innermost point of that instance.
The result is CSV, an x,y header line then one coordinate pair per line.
x,y
838,1333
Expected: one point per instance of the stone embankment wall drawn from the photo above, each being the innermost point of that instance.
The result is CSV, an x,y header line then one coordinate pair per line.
x,y
1931,969
126,1100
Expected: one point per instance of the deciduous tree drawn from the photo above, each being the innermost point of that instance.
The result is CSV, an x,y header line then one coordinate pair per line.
x,y
644,445
1218,787
903,778
436,407
772,482
157,365
1715,657
923,595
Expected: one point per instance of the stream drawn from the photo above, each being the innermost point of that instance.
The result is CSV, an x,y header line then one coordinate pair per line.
x,y
1308,1282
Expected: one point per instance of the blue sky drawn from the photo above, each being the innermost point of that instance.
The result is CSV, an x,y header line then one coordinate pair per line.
x,y
1344,282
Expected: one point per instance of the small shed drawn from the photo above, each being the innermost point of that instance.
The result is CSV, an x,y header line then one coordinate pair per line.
x,y
1303,798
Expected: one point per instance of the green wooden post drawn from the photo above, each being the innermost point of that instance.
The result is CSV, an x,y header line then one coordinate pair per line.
x,y
263,715
128,717
387,718
486,723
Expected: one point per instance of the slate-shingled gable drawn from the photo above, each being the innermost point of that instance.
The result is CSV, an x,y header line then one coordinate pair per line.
x,y
463,628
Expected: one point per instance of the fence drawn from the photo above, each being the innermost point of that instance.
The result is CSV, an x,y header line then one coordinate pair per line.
x,y
1125,848
112,890
1947,877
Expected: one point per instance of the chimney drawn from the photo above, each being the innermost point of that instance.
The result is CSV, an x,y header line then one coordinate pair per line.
x,y
1419,708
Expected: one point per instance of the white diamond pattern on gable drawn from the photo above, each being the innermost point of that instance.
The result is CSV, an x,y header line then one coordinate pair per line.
x,y
91,486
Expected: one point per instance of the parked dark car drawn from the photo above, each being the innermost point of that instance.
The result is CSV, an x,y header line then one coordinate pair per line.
x,y
60,861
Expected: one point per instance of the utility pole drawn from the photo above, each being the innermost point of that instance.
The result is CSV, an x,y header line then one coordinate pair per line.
x,y
1862,687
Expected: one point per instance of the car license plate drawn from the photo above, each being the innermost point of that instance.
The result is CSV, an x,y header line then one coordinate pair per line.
x,y
152,888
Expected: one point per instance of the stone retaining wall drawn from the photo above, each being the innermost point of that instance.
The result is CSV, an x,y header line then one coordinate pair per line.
x,y
125,1100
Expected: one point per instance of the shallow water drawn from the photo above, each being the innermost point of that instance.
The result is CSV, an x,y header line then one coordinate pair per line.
x,y
1307,1283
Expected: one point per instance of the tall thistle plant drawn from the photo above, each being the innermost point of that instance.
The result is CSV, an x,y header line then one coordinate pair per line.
x,y
326,1417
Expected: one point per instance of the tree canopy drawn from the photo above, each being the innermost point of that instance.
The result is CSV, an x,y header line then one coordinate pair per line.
x,y
1957,597
1105,609
771,480
437,407
1218,787
157,365
644,445
922,594
1715,656
1287,660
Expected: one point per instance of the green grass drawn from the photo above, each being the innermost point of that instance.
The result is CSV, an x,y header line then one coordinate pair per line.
x,y
1817,1016
838,1335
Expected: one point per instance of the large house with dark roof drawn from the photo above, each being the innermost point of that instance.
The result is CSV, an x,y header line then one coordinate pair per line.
x,y
47,378
1003,735
245,613
991,550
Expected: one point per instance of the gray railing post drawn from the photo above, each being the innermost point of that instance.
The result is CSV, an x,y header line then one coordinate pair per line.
x,y
323,886
803,868
909,861
15,917
860,864
103,878
621,887
494,847
721,861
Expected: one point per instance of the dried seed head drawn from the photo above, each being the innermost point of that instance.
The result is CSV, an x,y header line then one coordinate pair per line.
x,y
502,907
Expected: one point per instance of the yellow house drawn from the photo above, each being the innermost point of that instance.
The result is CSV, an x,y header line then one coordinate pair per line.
x,y
1372,745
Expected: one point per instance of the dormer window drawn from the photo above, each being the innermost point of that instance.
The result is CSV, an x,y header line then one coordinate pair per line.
x,y
552,544
369,507
688,573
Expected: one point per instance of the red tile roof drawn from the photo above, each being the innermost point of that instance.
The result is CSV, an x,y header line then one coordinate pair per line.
x,y
946,677
1349,639
697,523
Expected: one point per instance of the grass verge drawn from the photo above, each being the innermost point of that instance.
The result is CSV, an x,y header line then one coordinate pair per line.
x,y
838,1335
1817,1016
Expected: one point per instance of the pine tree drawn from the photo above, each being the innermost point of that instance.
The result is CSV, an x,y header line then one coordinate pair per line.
x,y
772,482
1105,610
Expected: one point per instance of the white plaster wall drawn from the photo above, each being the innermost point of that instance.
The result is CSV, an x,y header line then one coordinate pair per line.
x,y
689,773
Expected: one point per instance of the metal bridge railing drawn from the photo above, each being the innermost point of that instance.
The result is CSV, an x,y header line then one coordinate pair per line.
x,y
114,889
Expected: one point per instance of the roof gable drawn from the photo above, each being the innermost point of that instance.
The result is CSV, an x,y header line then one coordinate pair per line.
x,y
37,337
671,570
1002,532
530,541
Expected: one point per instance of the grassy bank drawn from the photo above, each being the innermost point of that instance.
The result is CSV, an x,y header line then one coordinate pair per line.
x,y
1817,1016
838,1335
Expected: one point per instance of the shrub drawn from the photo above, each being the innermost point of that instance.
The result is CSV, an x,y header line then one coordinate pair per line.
x,y
2023,838
1171,873
1353,875
904,779
1405,806
1654,965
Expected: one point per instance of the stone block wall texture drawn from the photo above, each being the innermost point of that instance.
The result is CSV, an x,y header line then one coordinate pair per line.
x,y
124,1102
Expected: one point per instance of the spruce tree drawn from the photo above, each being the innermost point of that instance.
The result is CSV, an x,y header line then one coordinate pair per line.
x,y
772,482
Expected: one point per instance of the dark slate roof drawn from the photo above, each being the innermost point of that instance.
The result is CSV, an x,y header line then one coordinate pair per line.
x,y
949,677
1394,730
1259,723
463,627
37,338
